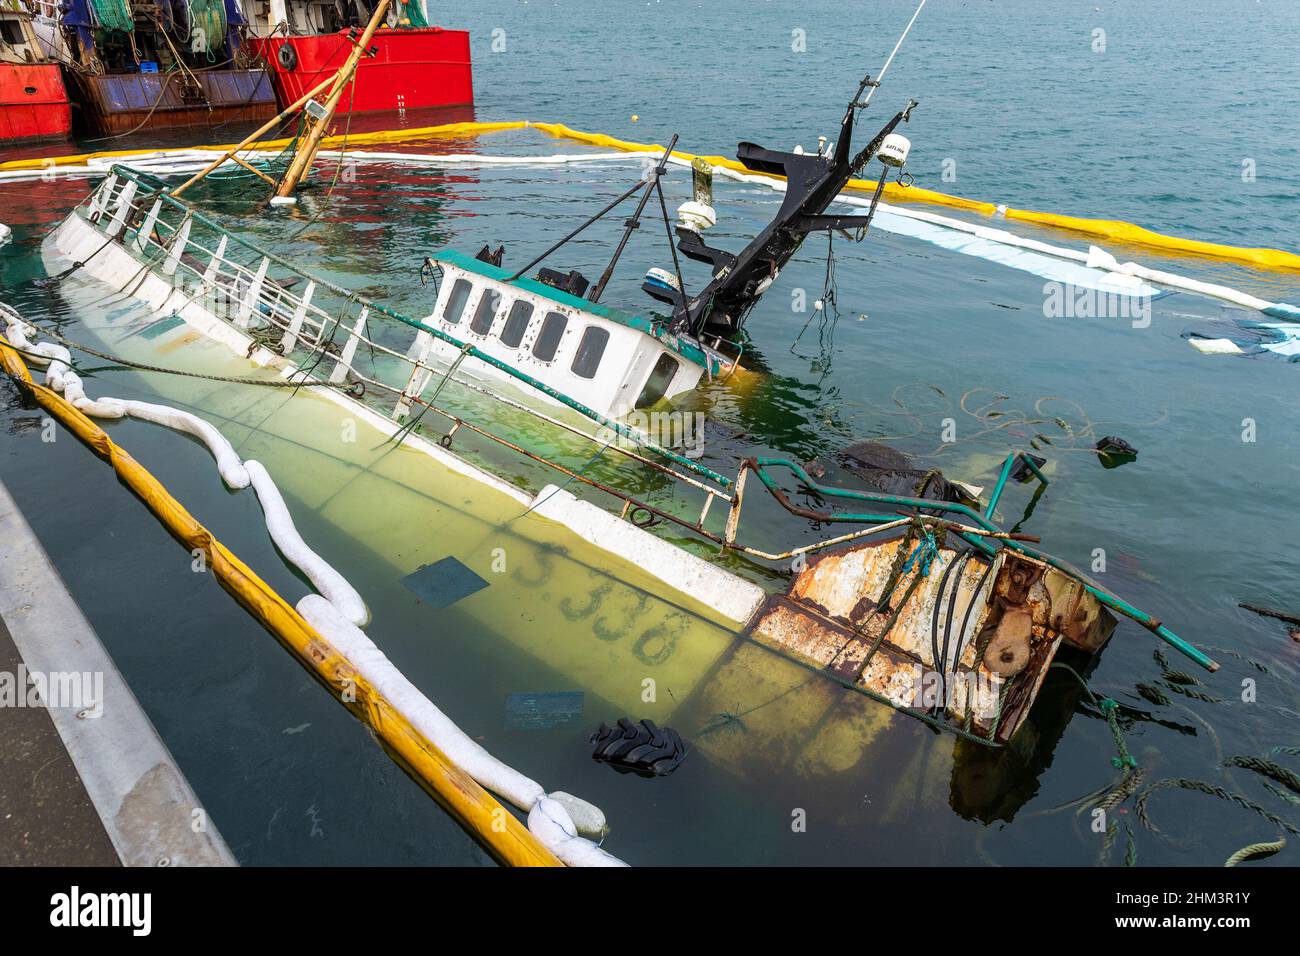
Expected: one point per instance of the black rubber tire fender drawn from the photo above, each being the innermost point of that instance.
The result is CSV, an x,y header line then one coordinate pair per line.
x,y
642,747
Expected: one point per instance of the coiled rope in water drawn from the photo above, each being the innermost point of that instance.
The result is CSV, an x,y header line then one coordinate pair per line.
x,y
1266,768
1256,851
1076,433
1200,786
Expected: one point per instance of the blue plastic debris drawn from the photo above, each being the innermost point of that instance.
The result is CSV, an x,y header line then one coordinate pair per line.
x,y
543,711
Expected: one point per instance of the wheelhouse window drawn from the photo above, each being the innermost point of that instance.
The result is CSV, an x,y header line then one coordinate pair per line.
x,y
656,386
512,333
548,339
456,300
591,347
486,312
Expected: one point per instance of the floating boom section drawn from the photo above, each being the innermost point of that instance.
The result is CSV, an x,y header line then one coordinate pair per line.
x,y
813,181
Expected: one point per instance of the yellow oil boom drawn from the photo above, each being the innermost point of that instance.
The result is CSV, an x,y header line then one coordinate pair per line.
x,y
487,821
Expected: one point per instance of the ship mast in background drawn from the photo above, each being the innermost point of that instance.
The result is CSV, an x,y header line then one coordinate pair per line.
x,y
317,120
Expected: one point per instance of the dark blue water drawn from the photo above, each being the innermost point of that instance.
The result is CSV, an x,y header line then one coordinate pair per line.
x,y
1153,130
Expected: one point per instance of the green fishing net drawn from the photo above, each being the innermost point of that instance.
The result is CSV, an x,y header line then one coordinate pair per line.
x,y
413,11
207,26
113,15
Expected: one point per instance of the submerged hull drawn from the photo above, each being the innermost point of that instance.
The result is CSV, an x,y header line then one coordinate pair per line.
x,y
190,314
573,608
648,603
586,597
33,103
121,103
412,69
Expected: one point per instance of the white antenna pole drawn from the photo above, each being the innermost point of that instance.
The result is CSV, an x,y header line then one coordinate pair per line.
x,y
885,68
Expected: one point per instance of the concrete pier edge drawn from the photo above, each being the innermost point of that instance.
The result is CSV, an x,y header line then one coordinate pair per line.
x,y
146,806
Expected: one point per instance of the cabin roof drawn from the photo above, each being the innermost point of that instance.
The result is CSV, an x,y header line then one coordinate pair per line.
x,y
686,349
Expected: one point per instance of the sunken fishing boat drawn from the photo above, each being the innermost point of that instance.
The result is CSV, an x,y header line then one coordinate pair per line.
x,y
916,597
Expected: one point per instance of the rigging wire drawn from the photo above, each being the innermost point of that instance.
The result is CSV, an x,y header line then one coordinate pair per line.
x,y
885,69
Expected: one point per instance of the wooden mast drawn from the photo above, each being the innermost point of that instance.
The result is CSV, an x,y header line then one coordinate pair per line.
x,y
316,128
251,139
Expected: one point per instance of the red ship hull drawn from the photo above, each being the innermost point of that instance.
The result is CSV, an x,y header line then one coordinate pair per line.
x,y
33,103
413,69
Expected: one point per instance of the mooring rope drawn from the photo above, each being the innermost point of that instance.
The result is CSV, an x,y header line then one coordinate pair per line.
x,y
1266,768
1200,786
1109,709
162,369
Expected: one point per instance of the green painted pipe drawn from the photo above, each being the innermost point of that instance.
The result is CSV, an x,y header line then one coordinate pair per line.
x,y
1110,600
1033,466
954,507
997,489
1006,471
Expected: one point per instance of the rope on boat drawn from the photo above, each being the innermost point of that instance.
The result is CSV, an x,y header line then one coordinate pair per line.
x,y
925,552
560,821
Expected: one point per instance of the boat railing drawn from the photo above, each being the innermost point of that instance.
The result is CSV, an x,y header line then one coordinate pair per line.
x,y
334,328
